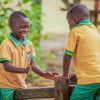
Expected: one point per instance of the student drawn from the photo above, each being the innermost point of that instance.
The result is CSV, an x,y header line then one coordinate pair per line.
x,y
84,45
17,57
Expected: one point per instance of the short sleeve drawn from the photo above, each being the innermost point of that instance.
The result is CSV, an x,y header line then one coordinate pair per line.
x,y
5,53
33,53
71,44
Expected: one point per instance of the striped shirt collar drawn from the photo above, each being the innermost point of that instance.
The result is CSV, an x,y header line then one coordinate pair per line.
x,y
84,22
16,42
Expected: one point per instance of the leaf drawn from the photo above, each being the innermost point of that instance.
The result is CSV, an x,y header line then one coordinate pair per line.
x,y
25,1
10,9
6,2
45,37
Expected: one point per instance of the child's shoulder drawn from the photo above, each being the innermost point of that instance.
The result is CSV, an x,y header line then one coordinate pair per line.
x,y
6,42
75,29
79,29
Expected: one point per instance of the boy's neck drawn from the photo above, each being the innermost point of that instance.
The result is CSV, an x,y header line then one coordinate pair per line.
x,y
20,40
82,19
83,22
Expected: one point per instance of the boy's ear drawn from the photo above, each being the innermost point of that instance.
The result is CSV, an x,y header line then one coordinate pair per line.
x,y
11,26
76,20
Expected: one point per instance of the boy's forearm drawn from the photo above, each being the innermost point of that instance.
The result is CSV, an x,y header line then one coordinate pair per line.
x,y
66,64
10,68
37,69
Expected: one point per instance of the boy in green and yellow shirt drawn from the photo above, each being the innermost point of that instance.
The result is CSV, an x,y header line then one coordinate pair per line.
x,y
17,57
84,45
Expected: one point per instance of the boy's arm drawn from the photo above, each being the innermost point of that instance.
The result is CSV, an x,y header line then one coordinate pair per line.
x,y
36,68
10,68
66,64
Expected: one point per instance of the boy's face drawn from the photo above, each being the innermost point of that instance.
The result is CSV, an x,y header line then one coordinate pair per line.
x,y
20,28
71,21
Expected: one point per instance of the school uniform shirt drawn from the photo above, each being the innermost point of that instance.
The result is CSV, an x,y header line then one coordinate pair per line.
x,y
84,45
18,55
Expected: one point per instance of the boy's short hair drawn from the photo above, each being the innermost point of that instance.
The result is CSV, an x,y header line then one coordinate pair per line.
x,y
16,14
78,10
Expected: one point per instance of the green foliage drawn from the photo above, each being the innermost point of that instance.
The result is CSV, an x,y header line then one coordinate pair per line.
x,y
4,29
34,15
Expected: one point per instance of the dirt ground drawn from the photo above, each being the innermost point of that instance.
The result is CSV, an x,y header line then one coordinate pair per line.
x,y
55,45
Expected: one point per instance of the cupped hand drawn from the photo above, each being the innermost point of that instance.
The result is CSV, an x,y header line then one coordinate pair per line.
x,y
72,75
50,75
28,69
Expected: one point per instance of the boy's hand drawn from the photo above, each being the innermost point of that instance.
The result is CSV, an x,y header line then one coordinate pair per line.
x,y
28,69
50,75
59,77
55,73
72,75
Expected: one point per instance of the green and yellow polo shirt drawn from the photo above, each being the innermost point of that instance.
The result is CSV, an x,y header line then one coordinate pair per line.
x,y
17,54
84,45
